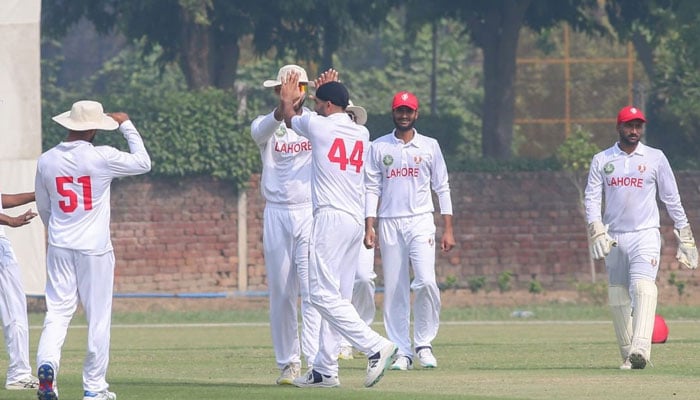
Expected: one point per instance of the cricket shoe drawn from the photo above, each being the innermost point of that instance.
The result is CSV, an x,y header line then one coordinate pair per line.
x,y
637,361
46,388
345,353
312,378
30,382
289,373
626,364
402,363
103,395
378,362
426,357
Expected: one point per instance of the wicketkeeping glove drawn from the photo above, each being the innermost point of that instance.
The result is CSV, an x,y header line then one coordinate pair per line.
x,y
600,242
687,253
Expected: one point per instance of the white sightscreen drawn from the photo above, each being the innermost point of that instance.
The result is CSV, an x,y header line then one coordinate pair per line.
x,y
20,120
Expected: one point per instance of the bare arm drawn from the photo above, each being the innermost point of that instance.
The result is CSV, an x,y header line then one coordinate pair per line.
x,y
448,238
17,199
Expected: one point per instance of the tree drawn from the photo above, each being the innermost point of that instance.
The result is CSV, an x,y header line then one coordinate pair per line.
x,y
494,26
204,36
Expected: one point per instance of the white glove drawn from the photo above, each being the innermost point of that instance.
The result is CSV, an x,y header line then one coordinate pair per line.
x,y
600,242
687,253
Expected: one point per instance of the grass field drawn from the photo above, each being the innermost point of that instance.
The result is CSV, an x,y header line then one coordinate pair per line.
x,y
564,352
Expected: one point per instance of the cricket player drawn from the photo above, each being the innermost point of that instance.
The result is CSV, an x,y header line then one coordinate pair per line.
x,y
627,178
72,188
13,302
338,151
363,289
402,167
286,187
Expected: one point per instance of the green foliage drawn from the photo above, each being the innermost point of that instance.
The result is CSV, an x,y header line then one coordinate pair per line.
x,y
504,281
187,133
476,283
597,292
450,283
577,151
679,284
535,286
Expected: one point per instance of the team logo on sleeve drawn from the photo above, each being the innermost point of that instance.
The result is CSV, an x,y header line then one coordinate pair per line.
x,y
641,168
388,160
281,131
609,168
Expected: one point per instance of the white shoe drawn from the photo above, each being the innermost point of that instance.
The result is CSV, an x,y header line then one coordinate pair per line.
x,y
426,357
378,362
103,395
626,364
345,353
637,361
32,382
289,373
316,379
403,363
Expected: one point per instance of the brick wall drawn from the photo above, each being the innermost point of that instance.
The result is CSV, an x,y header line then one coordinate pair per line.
x,y
181,236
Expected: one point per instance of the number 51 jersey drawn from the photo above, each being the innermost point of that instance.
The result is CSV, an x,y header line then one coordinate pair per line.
x,y
72,188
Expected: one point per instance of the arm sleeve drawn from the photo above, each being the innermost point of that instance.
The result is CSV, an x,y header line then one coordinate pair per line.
x,y
42,199
593,195
668,194
440,181
263,127
136,161
373,184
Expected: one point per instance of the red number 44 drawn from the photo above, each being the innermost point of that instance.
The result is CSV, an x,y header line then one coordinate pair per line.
x,y
63,186
338,154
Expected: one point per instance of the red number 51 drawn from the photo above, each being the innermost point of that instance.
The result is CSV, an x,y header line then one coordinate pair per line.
x,y
338,154
63,187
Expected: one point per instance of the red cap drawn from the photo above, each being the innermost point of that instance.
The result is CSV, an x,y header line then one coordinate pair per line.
x,y
405,98
630,113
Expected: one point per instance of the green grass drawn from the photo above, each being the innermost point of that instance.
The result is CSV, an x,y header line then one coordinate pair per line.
x,y
564,352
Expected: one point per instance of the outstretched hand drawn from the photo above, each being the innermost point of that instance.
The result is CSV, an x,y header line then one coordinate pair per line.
x,y
327,76
22,219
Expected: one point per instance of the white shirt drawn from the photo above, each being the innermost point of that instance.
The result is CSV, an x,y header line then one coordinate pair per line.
x,y
286,160
72,188
402,175
628,183
340,148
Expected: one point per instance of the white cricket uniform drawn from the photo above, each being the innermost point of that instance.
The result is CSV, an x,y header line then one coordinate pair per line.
x,y
286,187
339,150
402,174
628,183
73,200
13,310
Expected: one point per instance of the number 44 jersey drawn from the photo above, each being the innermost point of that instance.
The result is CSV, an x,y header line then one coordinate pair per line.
x,y
72,188
339,148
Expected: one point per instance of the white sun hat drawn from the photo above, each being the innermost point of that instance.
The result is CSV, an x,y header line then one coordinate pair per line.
x,y
359,111
303,78
86,115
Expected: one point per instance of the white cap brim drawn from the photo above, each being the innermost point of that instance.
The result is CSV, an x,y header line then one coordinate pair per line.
x,y
106,123
360,114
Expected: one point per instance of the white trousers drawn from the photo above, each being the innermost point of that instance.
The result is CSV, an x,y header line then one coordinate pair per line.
x,y
286,234
334,249
363,289
13,310
74,277
404,242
